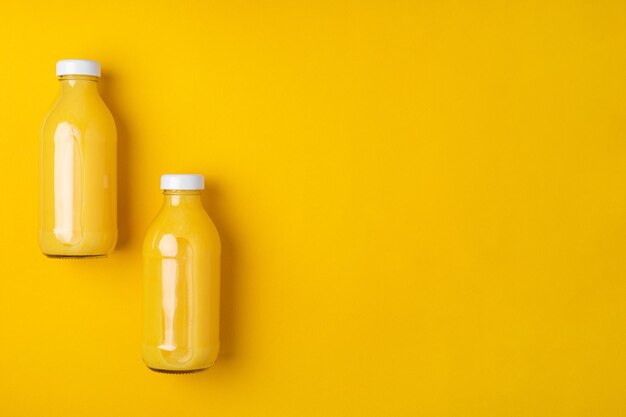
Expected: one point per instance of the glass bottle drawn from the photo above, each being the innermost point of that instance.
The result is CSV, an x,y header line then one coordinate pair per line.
x,y
181,281
78,215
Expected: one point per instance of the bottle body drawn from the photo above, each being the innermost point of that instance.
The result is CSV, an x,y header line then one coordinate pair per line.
x,y
78,215
181,286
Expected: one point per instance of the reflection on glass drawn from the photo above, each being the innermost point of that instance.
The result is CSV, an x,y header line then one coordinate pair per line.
x,y
67,184
176,301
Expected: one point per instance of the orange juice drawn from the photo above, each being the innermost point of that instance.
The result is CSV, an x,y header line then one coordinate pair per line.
x,y
181,283
78,168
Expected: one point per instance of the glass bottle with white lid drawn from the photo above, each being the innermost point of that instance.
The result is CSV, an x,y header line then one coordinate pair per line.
x,y
78,214
181,281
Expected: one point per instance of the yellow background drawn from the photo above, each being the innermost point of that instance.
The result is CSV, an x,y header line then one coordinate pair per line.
x,y
422,206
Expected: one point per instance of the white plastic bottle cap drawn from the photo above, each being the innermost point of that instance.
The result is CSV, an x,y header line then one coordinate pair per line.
x,y
78,67
182,182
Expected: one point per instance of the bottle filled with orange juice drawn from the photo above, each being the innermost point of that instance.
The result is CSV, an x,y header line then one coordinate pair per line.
x,y
181,283
78,215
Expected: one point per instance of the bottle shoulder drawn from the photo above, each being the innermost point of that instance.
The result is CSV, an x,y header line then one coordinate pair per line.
x,y
194,226
80,107
92,117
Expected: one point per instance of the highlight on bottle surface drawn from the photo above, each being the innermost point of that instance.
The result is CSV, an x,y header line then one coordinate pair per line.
x,y
78,214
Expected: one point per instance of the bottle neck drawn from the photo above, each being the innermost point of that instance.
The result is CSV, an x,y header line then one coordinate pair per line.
x,y
182,199
78,84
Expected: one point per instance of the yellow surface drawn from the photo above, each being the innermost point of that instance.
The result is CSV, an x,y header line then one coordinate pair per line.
x,y
422,206
181,286
78,165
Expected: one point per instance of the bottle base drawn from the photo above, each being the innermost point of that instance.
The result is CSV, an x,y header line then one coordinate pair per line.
x,y
75,256
182,372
